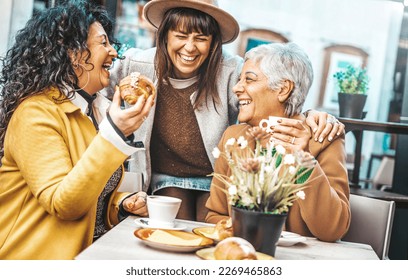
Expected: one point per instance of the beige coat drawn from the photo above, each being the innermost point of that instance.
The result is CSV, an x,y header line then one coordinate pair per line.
x,y
54,168
325,212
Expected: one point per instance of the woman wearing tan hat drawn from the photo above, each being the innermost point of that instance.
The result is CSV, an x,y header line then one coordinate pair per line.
x,y
195,102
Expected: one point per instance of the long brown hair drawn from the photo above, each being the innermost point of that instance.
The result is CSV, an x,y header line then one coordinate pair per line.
x,y
192,21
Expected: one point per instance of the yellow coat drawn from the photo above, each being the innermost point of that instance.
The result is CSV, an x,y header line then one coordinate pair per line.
x,y
55,165
324,213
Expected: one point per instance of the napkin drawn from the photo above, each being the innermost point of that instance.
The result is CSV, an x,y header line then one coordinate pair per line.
x,y
177,238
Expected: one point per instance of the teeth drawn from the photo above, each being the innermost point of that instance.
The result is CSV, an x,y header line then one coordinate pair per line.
x,y
107,66
188,58
244,102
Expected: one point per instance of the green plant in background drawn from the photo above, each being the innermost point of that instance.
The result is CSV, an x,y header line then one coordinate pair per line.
x,y
121,48
352,80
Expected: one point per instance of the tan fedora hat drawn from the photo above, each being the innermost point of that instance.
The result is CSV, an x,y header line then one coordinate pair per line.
x,y
154,11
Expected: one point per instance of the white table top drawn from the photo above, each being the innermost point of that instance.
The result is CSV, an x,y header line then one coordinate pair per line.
x,y
121,244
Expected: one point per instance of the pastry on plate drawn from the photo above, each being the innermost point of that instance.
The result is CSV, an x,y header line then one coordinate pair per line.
x,y
234,248
224,229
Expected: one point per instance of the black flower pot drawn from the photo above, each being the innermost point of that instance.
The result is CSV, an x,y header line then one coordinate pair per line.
x,y
351,105
262,230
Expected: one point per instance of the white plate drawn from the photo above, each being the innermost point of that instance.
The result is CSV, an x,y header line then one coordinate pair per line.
x,y
290,239
144,223
143,235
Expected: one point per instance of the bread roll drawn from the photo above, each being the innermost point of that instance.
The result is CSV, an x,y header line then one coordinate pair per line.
x,y
135,85
224,229
234,248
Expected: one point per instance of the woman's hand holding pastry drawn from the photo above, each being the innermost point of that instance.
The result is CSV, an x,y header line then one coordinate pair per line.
x,y
292,134
135,85
130,119
136,204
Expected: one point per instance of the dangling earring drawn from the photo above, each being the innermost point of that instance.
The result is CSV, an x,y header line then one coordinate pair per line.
x,y
83,70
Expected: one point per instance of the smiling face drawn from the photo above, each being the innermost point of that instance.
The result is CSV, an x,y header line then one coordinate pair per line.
x,y
257,100
187,51
94,74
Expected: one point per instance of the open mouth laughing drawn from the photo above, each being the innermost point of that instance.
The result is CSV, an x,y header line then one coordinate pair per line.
x,y
244,102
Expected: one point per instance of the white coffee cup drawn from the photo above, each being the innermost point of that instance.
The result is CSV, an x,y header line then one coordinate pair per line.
x,y
268,123
162,210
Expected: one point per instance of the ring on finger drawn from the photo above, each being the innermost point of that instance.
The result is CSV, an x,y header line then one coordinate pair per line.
x,y
331,120
293,140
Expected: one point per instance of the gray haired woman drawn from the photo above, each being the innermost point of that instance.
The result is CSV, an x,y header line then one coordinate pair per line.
x,y
275,81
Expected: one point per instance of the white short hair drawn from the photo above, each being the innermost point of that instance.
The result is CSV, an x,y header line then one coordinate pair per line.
x,y
285,61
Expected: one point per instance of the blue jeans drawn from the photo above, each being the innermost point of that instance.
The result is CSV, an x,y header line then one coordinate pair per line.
x,y
160,181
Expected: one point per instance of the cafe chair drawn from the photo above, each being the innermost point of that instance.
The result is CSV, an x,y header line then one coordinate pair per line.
x,y
371,223
382,179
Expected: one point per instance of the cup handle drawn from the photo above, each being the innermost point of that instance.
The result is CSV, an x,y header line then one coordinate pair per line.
x,y
267,127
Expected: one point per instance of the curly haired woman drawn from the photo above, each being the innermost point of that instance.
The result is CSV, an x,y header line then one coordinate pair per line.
x,y
62,154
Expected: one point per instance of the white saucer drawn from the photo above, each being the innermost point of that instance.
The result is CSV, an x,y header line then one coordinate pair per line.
x,y
144,223
290,239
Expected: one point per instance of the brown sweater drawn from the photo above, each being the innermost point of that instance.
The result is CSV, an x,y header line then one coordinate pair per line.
x,y
177,148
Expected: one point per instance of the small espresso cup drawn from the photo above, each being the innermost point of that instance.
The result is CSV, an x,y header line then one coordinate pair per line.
x,y
269,123
162,210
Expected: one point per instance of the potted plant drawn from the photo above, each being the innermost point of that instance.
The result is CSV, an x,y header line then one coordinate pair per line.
x,y
353,86
263,185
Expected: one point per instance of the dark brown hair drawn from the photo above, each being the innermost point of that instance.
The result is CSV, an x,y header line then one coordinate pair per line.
x,y
191,20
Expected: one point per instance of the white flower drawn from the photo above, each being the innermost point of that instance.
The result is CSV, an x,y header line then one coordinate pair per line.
x,y
232,190
242,142
301,195
280,149
230,142
269,168
289,159
216,152
292,170
246,200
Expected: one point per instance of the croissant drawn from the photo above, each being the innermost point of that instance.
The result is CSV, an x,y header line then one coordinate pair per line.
x,y
224,229
234,248
135,85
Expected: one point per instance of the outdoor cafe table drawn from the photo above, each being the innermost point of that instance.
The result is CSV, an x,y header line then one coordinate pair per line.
x,y
121,244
